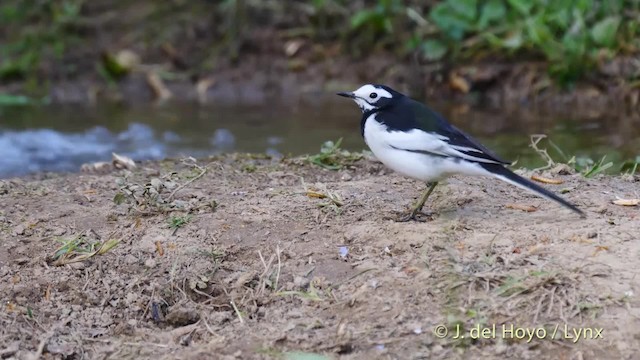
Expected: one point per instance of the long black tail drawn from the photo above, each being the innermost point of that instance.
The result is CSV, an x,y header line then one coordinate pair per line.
x,y
507,175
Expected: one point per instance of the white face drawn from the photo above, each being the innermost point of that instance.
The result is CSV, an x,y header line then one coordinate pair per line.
x,y
368,95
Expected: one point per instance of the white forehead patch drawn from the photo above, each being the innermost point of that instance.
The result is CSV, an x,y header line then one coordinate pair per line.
x,y
366,90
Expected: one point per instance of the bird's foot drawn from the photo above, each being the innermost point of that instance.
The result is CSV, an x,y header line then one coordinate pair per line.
x,y
418,216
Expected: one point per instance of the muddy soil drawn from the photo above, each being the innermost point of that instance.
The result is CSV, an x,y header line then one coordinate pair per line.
x,y
238,257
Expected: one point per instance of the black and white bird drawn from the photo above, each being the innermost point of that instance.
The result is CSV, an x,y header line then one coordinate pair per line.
x,y
415,141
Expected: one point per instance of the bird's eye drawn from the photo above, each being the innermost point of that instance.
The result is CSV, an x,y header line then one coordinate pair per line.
x,y
373,95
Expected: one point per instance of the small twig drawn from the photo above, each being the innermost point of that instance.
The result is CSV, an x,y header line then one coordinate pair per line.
x,y
335,286
275,288
107,341
195,290
263,262
235,308
535,139
539,308
209,329
146,309
265,274
553,292
203,170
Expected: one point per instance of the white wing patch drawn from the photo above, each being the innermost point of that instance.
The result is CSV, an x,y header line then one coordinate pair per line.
x,y
421,141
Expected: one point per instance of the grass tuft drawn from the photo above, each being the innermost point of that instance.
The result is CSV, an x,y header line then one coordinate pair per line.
x,y
177,222
332,157
79,248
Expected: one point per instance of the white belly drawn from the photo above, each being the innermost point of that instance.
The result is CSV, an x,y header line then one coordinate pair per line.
x,y
413,164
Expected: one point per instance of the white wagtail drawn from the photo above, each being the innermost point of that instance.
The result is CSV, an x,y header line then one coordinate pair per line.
x,y
417,142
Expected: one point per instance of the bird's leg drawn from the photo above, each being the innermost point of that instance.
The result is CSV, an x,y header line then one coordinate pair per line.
x,y
416,209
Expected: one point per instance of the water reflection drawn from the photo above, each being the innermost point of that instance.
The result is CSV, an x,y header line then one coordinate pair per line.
x,y
62,138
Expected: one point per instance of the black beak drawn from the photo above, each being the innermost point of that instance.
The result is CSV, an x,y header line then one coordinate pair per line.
x,y
346,94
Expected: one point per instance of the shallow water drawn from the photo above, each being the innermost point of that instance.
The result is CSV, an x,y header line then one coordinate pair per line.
x,y
62,138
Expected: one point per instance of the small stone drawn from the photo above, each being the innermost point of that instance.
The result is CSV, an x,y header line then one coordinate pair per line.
x,y
78,265
346,177
10,350
19,230
220,317
562,169
301,282
148,242
130,259
150,263
182,316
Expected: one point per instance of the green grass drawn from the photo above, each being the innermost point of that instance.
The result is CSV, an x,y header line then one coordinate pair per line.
x,y
584,165
312,294
572,37
593,168
36,31
332,157
79,248
176,222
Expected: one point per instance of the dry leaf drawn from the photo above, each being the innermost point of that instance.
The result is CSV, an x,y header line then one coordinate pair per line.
x,y
203,86
580,239
122,162
536,248
546,180
157,85
527,208
600,248
411,270
459,83
159,248
313,194
627,202
127,59
291,47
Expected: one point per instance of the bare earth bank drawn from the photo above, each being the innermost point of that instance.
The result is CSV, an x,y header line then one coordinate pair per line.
x,y
255,258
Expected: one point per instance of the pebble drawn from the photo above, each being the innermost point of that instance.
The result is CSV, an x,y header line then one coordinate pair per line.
x,y
148,242
78,265
150,263
130,259
59,231
301,282
182,316
219,317
19,230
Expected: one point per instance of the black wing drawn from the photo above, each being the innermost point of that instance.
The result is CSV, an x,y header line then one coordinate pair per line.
x,y
431,122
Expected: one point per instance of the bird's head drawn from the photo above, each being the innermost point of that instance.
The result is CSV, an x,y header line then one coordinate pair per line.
x,y
371,97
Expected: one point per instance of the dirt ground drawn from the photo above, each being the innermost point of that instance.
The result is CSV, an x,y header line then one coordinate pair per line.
x,y
239,257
